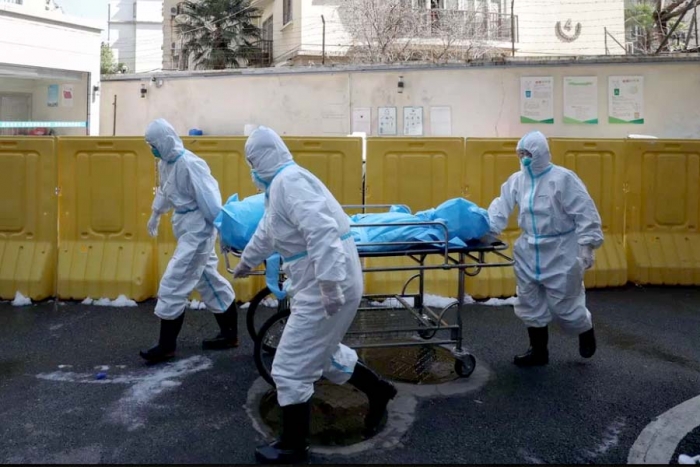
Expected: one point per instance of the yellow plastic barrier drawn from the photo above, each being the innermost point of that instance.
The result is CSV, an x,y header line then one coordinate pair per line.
x,y
601,166
337,162
106,189
489,164
28,208
420,173
663,211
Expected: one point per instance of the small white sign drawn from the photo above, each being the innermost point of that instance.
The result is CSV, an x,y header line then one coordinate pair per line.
x,y
67,95
387,121
413,121
441,121
362,120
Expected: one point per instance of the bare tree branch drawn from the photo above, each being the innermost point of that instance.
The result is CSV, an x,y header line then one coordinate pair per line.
x,y
391,31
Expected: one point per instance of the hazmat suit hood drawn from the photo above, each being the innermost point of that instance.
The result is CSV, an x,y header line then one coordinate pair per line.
x,y
536,144
266,153
161,135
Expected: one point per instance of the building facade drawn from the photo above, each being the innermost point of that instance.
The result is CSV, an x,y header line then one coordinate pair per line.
x,y
135,34
49,71
300,31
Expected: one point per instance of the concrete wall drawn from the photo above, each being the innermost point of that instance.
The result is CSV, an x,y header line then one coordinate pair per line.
x,y
484,101
51,40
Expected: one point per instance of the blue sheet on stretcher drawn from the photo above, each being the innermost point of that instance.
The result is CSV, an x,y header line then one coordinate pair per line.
x,y
464,220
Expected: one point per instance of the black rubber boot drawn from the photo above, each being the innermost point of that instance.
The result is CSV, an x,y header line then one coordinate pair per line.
x,y
379,392
586,343
537,354
165,350
293,445
227,338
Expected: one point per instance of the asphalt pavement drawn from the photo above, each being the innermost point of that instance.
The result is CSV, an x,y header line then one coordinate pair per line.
x,y
74,390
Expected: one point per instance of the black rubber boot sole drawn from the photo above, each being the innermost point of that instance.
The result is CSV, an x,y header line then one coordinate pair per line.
x,y
220,343
530,359
273,454
157,355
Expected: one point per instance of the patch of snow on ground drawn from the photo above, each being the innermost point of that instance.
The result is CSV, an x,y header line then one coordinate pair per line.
x,y
196,305
120,302
501,302
270,303
21,300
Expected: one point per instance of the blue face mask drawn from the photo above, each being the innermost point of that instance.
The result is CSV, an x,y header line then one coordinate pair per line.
x,y
526,161
259,182
155,152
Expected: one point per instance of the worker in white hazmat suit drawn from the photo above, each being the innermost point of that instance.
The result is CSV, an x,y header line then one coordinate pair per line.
x,y
304,223
187,187
561,229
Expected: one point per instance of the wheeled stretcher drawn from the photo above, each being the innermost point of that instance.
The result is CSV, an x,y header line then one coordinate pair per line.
x,y
265,318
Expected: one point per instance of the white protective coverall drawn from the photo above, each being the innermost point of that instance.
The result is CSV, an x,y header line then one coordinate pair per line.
x,y
304,223
557,217
187,186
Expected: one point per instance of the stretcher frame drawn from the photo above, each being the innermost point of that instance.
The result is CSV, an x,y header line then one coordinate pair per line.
x,y
467,261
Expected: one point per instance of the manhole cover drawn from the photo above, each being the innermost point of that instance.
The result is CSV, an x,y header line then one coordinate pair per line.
x,y
337,414
425,364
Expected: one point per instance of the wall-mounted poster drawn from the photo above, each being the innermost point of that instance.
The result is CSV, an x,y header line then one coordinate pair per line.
x,y
626,99
386,121
52,100
581,100
67,95
537,99
413,121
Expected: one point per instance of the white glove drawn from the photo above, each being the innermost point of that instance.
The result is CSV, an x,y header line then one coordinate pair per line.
x,y
153,224
587,256
241,270
332,297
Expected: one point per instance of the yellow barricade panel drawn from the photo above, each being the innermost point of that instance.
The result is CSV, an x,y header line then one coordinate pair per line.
x,y
28,209
601,166
337,162
663,213
106,190
489,164
420,173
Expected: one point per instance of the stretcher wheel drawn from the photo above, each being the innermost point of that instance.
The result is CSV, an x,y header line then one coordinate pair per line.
x,y
265,345
465,366
428,333
254,313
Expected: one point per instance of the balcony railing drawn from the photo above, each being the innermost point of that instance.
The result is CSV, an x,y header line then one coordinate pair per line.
x,y
465,25
262,55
